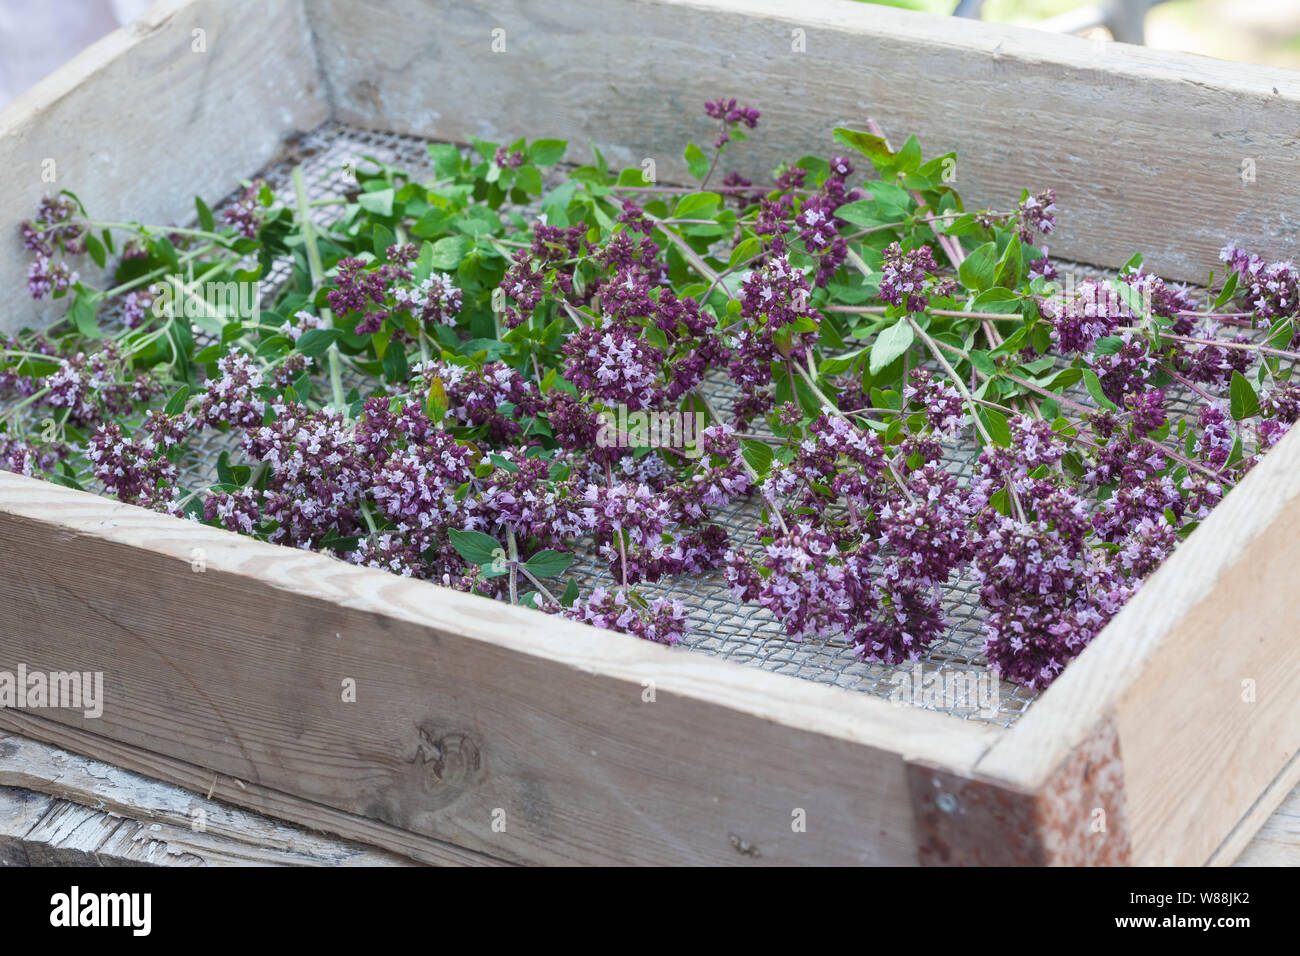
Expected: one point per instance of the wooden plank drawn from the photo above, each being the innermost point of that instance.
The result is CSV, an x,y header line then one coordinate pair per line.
x,y
1199,744
1278,841
58,805
231,790
141,121
1267,819
468,711
1126,135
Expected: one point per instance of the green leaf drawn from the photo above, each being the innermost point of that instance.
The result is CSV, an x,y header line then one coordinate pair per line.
x,y
476,547
529,179
446,159
547,564
995,423
83,311
1008,271
167,252
744,250
758,454
983,362
1244,402
547,152
864,213
1063,379
176,404
1228,291
435,403
978,270
894,201
556,203
448,253
382,239
697,206
1131,298
1093,384
872,147
380,202
206,221
316,342
433,221
633,176
963,225
96,250
696,161
1281,333
224,474
395,365
890,344
997,299
909,157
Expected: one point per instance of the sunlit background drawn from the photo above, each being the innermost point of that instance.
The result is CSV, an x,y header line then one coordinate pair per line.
x,y
1254,31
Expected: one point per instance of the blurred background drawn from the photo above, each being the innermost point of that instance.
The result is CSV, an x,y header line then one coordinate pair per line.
x,y
37,36
1252,31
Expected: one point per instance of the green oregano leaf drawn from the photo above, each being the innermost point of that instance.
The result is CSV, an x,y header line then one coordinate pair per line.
x,y
1243,400
890,344
1098,394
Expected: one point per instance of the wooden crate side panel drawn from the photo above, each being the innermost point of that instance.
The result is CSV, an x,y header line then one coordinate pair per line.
x,y
467,712
143,120
1215,716
1145,148
1200,670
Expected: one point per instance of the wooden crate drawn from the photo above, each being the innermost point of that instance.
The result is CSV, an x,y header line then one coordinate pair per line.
x,y
472,714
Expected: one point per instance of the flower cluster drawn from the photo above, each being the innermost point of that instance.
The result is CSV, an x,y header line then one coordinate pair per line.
x,y
1272,290
1036,214
908,278
732,116
1094,311
244,214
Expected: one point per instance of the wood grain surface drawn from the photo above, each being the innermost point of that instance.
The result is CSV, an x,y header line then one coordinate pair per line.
x,y
1145,148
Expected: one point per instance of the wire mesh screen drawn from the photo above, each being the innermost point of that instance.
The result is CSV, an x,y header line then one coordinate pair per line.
x,y
954,668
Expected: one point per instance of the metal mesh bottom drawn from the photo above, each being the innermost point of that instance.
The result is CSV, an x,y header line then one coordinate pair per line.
x,y
720,626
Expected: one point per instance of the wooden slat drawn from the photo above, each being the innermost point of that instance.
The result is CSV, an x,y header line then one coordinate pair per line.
x,y
1278,841
231,790
1196,755
1143,147
139,123
466,708
104,815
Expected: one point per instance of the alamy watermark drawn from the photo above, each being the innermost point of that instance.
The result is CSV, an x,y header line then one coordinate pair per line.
x,y
956,691
227,301
679,431
62,690
133,911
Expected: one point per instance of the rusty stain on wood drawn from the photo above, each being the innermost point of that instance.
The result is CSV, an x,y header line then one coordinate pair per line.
x,y
1079,818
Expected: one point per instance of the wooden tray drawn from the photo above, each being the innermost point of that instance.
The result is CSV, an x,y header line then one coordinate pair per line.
x,y
484,732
